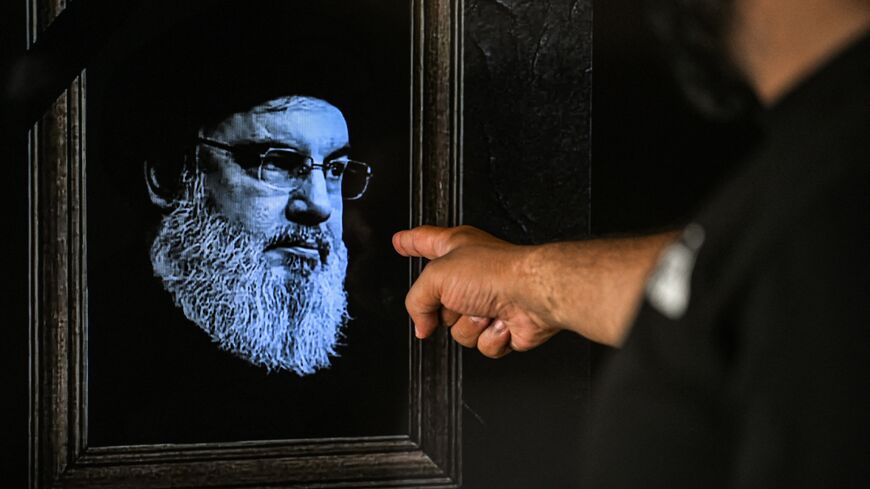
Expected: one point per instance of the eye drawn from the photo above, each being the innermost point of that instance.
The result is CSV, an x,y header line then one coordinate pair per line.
x,y
287,162
269,165
335,169
247,158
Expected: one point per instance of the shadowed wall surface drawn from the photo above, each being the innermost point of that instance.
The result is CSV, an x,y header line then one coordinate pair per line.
x,y
527,117
528,76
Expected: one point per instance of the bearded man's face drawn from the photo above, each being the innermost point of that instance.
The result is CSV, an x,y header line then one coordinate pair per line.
x,y
253,256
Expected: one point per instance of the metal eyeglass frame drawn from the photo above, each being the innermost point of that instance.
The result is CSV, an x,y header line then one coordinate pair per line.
x,y
310,167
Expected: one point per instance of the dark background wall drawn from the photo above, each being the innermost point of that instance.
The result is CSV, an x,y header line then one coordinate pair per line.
x,y
528,78
533,118
654,157
13,158
529,100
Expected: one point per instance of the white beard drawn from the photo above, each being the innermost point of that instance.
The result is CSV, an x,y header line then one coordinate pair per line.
x,y
217,275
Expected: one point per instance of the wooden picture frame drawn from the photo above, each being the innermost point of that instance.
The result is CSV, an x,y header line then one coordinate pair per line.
x,y
59,453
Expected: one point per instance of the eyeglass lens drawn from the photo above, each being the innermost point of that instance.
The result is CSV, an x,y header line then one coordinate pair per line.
x,y
283,169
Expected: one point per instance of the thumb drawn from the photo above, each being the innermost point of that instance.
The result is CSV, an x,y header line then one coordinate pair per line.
x,y
428,242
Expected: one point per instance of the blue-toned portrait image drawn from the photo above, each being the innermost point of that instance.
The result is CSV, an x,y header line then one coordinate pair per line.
x,y
247,166
251,249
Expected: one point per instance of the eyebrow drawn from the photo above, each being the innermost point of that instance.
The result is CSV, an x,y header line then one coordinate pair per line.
x,y
343,151
266,145
262,145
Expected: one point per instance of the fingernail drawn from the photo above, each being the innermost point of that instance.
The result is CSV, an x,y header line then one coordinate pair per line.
x,y
499,327
476,319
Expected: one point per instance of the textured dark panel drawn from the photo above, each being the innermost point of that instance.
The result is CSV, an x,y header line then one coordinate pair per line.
x,y
526,179
527,85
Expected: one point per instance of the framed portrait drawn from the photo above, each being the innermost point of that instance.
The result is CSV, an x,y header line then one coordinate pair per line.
x,y
214,297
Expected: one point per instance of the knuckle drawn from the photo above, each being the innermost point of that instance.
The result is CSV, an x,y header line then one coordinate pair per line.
x,y
448,318
487,349
464,340
459,235
414,239
490,351
410,300
461,331
521,343
493,346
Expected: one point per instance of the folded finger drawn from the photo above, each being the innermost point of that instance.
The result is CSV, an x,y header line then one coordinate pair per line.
x,y
466,331
494,342
423,303
448,317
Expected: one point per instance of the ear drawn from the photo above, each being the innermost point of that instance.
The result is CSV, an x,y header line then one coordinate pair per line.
x,y
162,188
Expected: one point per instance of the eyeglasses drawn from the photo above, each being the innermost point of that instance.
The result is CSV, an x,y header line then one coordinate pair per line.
x,y
284,169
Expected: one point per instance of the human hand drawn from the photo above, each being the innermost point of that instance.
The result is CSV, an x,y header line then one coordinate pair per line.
x,y
478,286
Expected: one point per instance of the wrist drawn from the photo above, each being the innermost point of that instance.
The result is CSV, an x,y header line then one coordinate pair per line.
x,y
537,287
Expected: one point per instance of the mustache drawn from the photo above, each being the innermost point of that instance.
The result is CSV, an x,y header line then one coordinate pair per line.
x,y
298,235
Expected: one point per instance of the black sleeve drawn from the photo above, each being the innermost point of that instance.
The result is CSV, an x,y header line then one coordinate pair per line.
x,y
801,380
767,385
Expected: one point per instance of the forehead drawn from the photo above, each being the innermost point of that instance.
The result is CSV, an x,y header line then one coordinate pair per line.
x,y
301,123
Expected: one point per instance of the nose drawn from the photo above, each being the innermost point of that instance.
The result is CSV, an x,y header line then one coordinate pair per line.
x,y
309,204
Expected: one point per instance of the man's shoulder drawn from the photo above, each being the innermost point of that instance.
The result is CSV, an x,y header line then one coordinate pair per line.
x,y
795,192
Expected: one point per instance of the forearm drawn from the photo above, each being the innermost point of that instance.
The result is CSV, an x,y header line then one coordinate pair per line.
x,y
593,287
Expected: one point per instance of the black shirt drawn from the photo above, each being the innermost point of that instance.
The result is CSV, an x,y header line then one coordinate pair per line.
x,y
761,379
